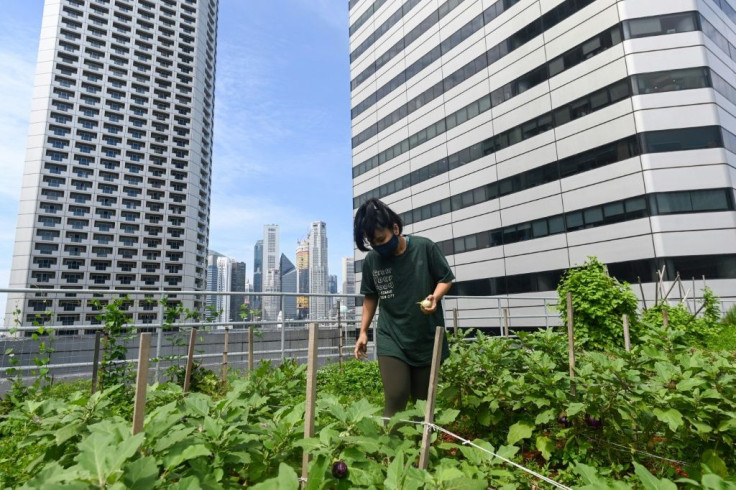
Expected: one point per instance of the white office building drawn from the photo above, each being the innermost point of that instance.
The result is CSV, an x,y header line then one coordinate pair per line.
x,y
526,135
348,281
271,305
116,185
319,306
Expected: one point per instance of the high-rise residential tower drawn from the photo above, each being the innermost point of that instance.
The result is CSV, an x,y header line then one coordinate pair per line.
x,y
523,135
318,270
116,185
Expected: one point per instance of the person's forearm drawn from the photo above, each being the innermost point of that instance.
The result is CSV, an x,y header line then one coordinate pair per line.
x,y
441,290
370,304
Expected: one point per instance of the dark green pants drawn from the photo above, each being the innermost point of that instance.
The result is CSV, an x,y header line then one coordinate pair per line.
x,y
401,381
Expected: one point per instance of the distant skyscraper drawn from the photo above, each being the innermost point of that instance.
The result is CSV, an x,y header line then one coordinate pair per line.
x,y
116,186
318,270
288,285
271,248
222,301
237,283
257,273
271,279
211,299
271,304
348,281
332,289
302,278
248,297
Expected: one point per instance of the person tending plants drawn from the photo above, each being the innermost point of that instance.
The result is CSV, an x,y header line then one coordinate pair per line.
x,y
407,276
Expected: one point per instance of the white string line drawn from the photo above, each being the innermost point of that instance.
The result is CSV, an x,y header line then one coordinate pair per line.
x,y
470,443
629,448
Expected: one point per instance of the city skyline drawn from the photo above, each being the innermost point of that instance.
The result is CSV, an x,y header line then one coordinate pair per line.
x,y
261,109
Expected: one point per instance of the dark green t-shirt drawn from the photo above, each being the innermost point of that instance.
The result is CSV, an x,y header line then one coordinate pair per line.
x,y
400,283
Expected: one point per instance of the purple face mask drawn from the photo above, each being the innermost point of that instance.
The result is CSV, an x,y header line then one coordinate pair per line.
x,y
387,249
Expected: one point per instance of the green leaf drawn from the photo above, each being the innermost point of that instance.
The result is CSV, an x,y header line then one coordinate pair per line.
x,y
446,416
574,409
518,431
67,432
689,383
51,476
711,459
187,483
715,482
124,451
671,417
545,446
174,436
474,455
360,410
183,452
197,404
287,480
394,473
213,428
650,481
92,457
140,474
590,476
317,471
544,417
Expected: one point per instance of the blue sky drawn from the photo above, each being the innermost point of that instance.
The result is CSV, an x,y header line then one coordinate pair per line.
x,y
282,123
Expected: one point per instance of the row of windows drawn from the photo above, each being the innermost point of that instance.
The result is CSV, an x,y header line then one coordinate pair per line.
x,y
646,270
610,37
121,33
72,278
719,39
412,36
637,84
153,207
384,28
365,15
114,129
105,226
727,9
632,146
684,202
519,38
167,17
118,44
125,253
631,271
102,266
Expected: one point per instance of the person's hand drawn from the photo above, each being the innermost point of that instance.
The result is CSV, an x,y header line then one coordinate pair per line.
x,y
361,346
432,307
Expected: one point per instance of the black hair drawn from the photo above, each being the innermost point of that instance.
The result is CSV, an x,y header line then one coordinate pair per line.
x,y
373,215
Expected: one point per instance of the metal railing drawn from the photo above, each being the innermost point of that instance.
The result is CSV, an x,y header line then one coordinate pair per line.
x,y
74,351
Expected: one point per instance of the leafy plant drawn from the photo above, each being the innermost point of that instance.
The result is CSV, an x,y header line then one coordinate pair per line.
x,y
599,301
114,367
355,379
